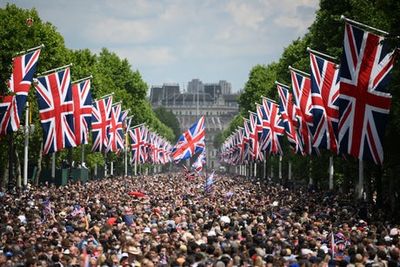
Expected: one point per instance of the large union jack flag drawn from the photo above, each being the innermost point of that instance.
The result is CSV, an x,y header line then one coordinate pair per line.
x,y
11,107
82,111
273,123
101,117
190,142
288,115
364,102
324,107
138,139
115,133
54,96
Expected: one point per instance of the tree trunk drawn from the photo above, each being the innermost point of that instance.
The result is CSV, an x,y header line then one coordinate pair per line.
x,y
39,167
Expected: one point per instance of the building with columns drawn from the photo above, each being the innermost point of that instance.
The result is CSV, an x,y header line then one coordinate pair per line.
x,y
212,100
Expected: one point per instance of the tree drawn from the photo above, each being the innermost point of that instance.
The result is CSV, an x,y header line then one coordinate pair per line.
x,y
169,119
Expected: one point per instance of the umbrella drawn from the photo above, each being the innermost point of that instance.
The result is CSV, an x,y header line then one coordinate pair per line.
x,y
137,194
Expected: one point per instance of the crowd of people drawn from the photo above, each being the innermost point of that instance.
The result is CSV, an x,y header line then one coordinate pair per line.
x,y
170,220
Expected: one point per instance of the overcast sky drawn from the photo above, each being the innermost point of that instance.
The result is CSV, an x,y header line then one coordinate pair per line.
x,y
177,40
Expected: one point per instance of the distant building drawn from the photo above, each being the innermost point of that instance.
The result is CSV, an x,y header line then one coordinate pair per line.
x,y
212,100
195,86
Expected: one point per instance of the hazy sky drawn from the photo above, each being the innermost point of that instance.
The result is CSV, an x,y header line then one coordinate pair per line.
x,y
177,40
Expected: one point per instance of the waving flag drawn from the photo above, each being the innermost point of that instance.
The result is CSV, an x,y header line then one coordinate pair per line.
x,y
198,165
190,142
288,114
116,133
137,139
82,98
209,183
54,96
11,107
101,118
364,102
302,95
324,96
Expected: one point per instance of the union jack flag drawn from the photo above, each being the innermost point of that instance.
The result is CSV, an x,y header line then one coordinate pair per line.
x,y
82,98
11,107
273,123
324,96
146,141
137,139
8,115
54,96
255,132
246,140
116,133
364,102
288,115
198,165
241,144
101,118
190,142
302,96
209,183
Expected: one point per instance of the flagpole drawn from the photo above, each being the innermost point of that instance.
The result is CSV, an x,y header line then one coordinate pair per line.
x,y
112,168
280,168
299,71
83,79
26,144
105,164
331,173
269,99
54,70
360,186
290,171
29,50
126,152
82,153
53,166
321,54
282,84
265,165
356,23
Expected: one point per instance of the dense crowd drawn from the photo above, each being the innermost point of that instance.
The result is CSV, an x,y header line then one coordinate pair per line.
x,y
169,220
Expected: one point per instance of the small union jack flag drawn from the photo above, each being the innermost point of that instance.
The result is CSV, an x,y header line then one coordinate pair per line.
x,y
101,117
209,186
324,96
190,142
11,107
82,98
198,165
364,102
54,96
